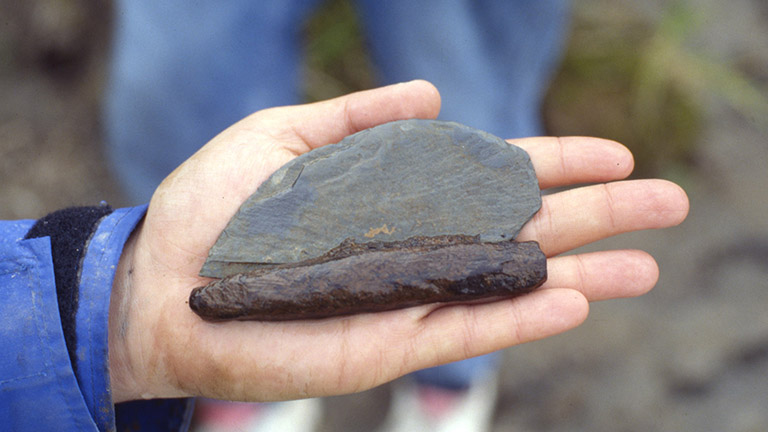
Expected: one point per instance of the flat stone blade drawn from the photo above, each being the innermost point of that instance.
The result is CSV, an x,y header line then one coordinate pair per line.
x,y
388,183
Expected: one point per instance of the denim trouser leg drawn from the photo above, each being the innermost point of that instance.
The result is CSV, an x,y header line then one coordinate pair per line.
x,y
183,71
491,59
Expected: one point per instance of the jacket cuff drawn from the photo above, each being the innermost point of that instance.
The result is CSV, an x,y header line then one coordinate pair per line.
x,y
69,230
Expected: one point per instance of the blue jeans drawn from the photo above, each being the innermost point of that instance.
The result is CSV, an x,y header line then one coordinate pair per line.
x,y
182,72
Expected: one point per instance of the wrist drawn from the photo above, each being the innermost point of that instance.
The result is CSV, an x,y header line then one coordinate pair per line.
x,y
137,360
122,370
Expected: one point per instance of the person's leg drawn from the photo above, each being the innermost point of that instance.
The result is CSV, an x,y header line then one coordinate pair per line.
x,y
491,60
181,72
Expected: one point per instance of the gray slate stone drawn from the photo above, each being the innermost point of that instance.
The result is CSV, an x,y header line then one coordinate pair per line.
x,y
391,182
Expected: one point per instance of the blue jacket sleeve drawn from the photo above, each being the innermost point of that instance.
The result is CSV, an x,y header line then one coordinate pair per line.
x,y
38,388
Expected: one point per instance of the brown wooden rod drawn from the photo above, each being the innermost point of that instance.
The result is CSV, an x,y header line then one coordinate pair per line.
x,y
377,276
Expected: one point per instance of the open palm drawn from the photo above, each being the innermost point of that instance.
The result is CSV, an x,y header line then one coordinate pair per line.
x,y
160,348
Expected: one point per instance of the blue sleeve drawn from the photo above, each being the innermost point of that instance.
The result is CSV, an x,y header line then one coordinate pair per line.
x,y
38,388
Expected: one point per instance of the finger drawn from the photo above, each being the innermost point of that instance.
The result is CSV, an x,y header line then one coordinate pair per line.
x,y
329,121
457,332
570,160
580,216
556,307
604,275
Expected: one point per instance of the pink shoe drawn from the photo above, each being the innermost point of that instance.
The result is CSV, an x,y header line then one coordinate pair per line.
x,y
223,416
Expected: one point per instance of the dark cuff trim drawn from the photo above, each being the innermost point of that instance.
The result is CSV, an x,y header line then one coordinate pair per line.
x,y
69,230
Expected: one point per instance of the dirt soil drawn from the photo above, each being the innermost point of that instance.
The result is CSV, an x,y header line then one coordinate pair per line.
x,y
690,356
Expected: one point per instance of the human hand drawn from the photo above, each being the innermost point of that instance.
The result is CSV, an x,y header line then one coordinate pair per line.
x,y
159,348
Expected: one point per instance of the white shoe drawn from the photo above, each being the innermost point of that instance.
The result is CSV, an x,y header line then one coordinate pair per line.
x,y
417,408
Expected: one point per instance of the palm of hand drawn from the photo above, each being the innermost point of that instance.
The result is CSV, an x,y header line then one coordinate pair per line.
x,y
159,348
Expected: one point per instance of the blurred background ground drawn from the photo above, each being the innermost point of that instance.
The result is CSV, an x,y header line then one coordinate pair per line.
x,y
683,83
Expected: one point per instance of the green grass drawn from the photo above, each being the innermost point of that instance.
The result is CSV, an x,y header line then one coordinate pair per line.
x,y
646,84
337,57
